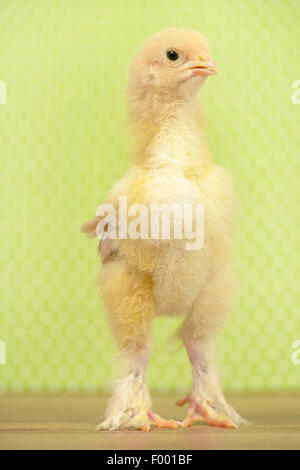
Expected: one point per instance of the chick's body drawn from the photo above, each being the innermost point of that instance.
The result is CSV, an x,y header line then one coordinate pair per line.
x,y
178,275
143,278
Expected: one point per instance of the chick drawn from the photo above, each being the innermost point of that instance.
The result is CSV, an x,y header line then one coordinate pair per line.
x,y
144,278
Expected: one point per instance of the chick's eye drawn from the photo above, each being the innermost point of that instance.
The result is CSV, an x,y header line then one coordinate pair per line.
x,y
172,55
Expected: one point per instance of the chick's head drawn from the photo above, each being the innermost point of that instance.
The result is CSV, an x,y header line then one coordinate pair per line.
x,y
172,62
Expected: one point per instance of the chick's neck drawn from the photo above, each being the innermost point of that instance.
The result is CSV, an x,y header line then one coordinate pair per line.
x,y
167,133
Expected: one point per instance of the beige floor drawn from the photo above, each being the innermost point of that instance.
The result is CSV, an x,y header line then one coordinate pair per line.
x,y
69,422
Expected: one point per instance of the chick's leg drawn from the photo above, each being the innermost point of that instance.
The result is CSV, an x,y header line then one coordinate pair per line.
x,y
206,400
129,300
130,404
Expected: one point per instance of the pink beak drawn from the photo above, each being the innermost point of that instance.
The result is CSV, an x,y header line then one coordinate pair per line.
x,y
205,68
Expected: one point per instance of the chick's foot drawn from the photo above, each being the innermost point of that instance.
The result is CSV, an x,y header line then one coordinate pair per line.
x,y
130,407
213,412
137,419
130,418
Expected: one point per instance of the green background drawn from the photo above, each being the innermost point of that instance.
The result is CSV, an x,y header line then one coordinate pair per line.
x,y
63,143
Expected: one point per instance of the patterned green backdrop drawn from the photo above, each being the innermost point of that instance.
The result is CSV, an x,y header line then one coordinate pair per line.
x,y
63,143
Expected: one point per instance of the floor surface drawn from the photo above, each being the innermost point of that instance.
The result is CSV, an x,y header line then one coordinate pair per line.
x,y
69,422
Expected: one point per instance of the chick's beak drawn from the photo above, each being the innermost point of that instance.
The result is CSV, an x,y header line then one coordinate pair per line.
x,y
205,67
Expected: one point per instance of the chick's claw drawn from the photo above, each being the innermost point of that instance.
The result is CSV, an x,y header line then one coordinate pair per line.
x,y
159,422
183,401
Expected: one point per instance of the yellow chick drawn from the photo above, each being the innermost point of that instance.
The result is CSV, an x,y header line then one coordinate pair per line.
x,y
142,277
